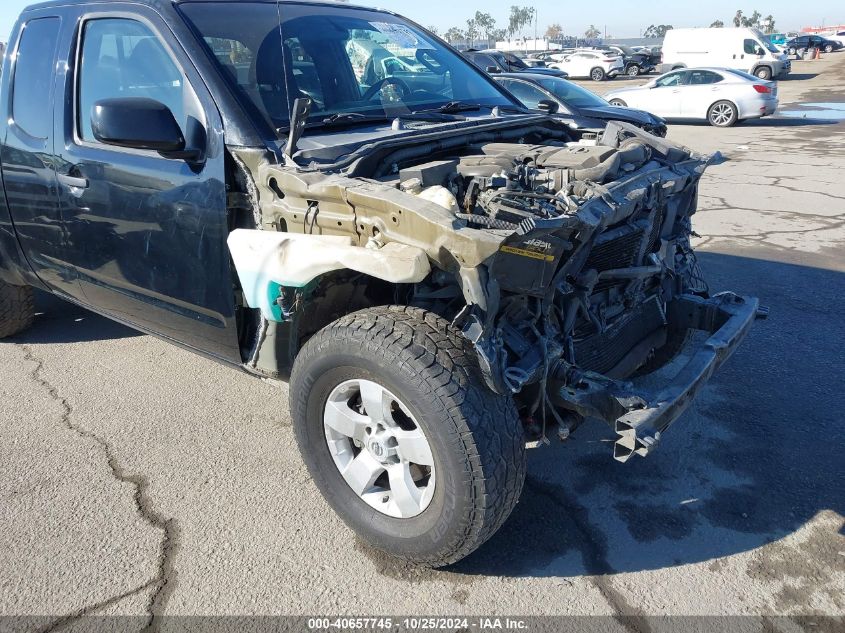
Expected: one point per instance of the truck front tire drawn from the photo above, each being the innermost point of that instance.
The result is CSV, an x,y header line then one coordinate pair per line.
x,y
403,437
764,73
17,309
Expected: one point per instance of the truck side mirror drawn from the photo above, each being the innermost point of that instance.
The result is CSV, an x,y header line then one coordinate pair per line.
x,y
493,70
548,106
140,123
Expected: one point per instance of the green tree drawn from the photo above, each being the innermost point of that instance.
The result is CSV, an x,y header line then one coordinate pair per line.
x,y
592,32
554,32
433,29
657,30
520,17
718,24
769,24
472,32
453,35
753,21
486,24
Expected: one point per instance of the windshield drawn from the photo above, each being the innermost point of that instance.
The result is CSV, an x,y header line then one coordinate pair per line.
x,y
572,94
346,60
769,46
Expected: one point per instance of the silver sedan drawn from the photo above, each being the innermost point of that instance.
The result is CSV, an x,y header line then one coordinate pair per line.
x,y
720,96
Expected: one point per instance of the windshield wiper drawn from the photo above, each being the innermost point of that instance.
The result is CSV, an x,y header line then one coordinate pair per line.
x,y
356,118
453,107
353,118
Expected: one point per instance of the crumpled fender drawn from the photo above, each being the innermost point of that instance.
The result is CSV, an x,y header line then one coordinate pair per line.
x,y
267,260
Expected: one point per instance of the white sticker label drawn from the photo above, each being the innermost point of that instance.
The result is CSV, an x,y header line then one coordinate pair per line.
x,y
402,35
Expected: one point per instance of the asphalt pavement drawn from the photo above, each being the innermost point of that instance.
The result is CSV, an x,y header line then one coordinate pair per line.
x,y
139,479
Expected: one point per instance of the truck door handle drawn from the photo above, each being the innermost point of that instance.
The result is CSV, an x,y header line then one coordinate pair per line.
x,y
72,182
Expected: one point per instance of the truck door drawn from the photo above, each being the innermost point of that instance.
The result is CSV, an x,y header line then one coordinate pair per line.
x,y
147,233
752,52
29,162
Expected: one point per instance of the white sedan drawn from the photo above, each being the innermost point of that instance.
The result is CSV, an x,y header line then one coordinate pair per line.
x,y
597,65
720,96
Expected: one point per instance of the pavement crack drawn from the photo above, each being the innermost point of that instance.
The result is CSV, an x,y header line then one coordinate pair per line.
x,y
69,619
165,581
594,556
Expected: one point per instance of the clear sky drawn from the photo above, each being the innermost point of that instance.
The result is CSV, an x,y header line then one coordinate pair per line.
x,y
623,18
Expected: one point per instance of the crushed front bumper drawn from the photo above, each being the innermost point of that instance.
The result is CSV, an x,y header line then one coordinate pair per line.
x,y
640,416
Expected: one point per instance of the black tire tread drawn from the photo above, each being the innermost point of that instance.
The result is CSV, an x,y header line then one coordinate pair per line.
x,y
17,309
488,424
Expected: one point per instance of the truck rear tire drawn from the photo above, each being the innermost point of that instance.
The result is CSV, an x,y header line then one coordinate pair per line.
x,y
403,437
17,309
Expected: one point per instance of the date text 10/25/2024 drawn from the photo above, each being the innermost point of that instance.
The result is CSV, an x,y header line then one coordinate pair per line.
x,y
417,624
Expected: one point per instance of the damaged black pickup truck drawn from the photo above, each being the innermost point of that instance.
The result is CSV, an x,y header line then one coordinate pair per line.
x,y
332,196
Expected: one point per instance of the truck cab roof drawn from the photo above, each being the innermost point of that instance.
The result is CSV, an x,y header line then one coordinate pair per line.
x,y
169,3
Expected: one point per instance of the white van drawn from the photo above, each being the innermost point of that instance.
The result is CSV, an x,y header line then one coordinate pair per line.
x,y
741,49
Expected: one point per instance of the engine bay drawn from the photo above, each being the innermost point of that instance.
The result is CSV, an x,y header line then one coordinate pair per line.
x,y
558,260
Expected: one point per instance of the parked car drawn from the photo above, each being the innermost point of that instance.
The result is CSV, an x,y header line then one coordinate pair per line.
x,y
798,45
500,62
636,63
596,65
437,271
721,96
544,56
743,49
778,39
839,36
585,110
533,62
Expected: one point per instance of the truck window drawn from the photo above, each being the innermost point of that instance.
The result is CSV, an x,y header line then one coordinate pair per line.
x,y
33,75
752,47
124,58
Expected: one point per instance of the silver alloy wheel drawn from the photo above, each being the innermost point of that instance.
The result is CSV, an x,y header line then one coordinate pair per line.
x,y
634,71
379,449
721,114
